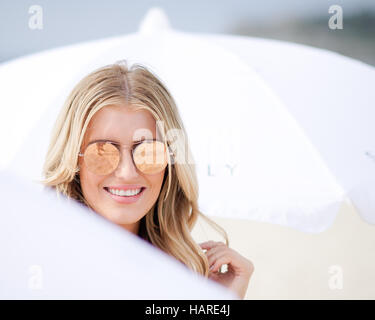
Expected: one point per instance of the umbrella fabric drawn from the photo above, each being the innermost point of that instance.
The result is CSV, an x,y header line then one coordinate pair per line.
x,y
331,97
256,157
53,248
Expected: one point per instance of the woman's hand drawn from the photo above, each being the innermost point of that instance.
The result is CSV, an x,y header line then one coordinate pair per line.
x,y
239,270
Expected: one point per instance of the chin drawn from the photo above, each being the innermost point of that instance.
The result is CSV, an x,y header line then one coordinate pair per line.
x,y
121,216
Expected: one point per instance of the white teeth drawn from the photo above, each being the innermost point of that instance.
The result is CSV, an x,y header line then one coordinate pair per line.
x,y
126,193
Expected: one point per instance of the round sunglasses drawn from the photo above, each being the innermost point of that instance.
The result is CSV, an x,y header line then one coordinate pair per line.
x,y
102,157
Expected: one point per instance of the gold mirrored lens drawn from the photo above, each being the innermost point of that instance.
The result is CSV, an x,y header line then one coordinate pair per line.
x,y
101,158
150,157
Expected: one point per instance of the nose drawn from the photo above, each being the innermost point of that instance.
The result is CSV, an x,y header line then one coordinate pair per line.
x,y
126,168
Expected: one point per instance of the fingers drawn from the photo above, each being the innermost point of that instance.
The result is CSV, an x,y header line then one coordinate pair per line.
x,y
211,244
219,261
239,269
217,252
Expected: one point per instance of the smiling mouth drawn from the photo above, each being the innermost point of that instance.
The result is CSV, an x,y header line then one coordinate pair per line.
x,y
123,193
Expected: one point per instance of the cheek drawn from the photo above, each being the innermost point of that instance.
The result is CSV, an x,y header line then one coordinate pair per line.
x,y
89,185
156,182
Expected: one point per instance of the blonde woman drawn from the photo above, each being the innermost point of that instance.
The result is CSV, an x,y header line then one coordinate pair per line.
x,y
110,151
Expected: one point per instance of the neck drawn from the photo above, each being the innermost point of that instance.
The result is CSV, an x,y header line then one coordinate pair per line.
x,y
133,228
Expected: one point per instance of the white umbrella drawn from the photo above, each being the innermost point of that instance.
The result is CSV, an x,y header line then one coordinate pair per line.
x,y
69,252
280,132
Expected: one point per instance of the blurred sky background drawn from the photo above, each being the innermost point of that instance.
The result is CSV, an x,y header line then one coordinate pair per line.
x,y
306,22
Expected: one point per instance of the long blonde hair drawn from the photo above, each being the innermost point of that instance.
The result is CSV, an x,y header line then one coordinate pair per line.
x,y
169,223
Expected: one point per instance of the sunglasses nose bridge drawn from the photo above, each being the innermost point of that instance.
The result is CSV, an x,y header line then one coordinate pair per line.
x,y
126,167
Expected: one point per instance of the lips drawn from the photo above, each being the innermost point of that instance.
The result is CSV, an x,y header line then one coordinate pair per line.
x,y
109,190
125,199
125,187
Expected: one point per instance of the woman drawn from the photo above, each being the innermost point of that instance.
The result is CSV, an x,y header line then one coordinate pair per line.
x,y
111,150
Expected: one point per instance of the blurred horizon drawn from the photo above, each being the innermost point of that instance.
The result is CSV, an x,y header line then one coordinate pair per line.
x,y
355,40
72,22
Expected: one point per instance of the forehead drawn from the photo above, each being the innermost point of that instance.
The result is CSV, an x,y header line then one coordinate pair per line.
x,y
121,124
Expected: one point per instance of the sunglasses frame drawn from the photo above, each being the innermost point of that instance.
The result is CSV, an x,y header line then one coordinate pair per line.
x,y
134,146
